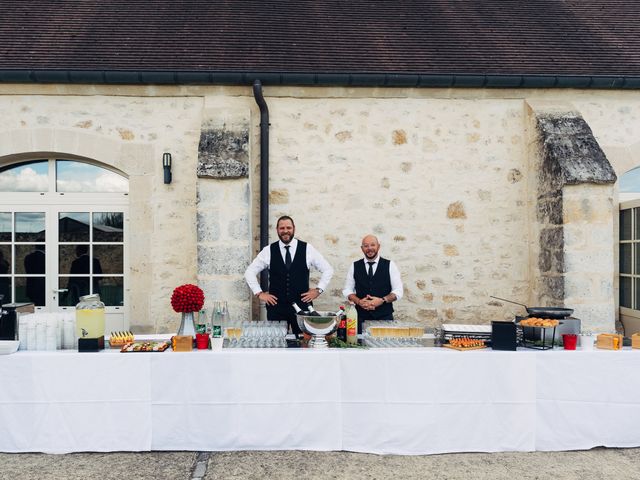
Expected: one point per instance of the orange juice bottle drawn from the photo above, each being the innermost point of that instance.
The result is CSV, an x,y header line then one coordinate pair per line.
x,y
352,324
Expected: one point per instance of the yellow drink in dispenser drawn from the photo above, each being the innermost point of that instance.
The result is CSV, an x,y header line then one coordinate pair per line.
x,y
90,317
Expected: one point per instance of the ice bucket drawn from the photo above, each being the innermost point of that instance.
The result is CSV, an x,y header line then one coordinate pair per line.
x,y
318,326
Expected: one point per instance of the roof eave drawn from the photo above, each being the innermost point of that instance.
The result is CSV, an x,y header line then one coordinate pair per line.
x,y
406,80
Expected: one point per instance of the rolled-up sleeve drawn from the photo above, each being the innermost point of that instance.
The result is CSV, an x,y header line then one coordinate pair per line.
x,y
316,260
349,283
259,263
396,280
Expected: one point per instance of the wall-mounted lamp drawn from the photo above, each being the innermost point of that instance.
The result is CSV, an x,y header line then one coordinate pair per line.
x,y
166,165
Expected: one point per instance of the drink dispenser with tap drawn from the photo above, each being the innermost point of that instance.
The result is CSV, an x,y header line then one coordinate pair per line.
x,y
90,318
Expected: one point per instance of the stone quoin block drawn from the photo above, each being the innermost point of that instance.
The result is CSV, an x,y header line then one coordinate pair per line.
x,y
223,153
222,260
208,223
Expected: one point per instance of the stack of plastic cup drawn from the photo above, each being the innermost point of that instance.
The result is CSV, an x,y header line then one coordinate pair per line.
x,y
51,324
41,331
23,322
58,320
69,331
31,334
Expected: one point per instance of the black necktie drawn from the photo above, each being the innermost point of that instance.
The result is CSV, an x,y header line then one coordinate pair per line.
x,y
287,257
370,270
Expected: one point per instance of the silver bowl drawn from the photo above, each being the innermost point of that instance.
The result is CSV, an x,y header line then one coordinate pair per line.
x,y
318,327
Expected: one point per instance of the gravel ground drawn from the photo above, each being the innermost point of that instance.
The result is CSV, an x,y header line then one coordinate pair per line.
x,y
599,463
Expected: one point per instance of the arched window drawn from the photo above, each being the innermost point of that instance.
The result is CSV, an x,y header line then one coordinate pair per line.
x,y
62,176
63,230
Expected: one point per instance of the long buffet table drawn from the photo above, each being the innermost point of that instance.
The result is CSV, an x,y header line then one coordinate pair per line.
x,y
404,401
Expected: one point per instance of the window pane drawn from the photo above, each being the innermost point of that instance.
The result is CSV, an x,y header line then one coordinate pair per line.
x,y
107,226
30,227
636,252
625,258
25,177
73,226
73,258
636,213
30,289
636,302
625,292
74,176
76,287
30,259
630,181
5,289
625,224
107,259
5,227
110,290
5,259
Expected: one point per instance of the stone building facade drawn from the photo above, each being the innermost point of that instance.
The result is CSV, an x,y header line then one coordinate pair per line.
x,y
456,184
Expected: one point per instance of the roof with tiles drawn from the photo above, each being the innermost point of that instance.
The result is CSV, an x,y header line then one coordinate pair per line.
x,y
436,37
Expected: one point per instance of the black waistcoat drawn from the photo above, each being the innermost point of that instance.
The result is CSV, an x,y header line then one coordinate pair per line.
x,y
379,286
285,284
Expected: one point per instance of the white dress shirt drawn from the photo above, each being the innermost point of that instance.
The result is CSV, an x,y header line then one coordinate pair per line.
x,y
394,273
263,260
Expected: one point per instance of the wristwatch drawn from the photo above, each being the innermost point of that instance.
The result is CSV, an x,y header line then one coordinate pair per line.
x,y
319,290
384,300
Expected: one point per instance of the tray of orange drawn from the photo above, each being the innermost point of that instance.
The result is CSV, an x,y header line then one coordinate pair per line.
x,y
465,343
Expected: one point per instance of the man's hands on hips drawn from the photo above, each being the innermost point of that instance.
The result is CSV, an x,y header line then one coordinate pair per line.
x,y
310,295
267,298
307,297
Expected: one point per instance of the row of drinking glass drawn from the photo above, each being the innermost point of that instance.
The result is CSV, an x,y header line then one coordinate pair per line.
x,y
265,334
391,342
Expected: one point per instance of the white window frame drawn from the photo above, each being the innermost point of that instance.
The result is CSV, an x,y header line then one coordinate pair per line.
x,y
52,202
631,205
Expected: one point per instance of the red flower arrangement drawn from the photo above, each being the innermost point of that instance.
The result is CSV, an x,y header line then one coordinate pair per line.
x,y
187,298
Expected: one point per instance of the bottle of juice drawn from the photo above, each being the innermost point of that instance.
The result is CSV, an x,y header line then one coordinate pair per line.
x,y
342,324
352,324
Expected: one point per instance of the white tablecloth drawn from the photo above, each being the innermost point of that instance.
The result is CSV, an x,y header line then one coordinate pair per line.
x,y
405,401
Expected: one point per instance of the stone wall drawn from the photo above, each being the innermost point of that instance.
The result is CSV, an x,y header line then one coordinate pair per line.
x,y
440,182
130,134
575,217
447,179
224,234
589,258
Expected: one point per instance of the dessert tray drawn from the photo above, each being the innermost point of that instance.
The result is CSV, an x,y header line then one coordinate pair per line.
x,y
118,339
465,343
144,347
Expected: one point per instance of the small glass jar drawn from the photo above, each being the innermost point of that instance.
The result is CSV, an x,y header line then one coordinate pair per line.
x,y
90,317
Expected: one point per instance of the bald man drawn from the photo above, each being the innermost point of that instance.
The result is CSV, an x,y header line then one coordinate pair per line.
x,y
373,284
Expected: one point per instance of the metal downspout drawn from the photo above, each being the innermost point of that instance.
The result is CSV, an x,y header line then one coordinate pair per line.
x,y
264,175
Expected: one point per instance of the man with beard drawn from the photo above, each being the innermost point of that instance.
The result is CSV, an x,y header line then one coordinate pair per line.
x,y
289,261
373,284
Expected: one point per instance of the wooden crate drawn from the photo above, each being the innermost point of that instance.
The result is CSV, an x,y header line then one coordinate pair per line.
x,y
635,340
609,341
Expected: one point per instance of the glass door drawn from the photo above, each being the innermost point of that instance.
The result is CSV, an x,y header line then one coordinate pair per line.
x,y
54,256
91,259
63,231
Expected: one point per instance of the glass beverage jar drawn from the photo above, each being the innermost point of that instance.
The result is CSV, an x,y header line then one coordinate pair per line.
x,y
90,317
